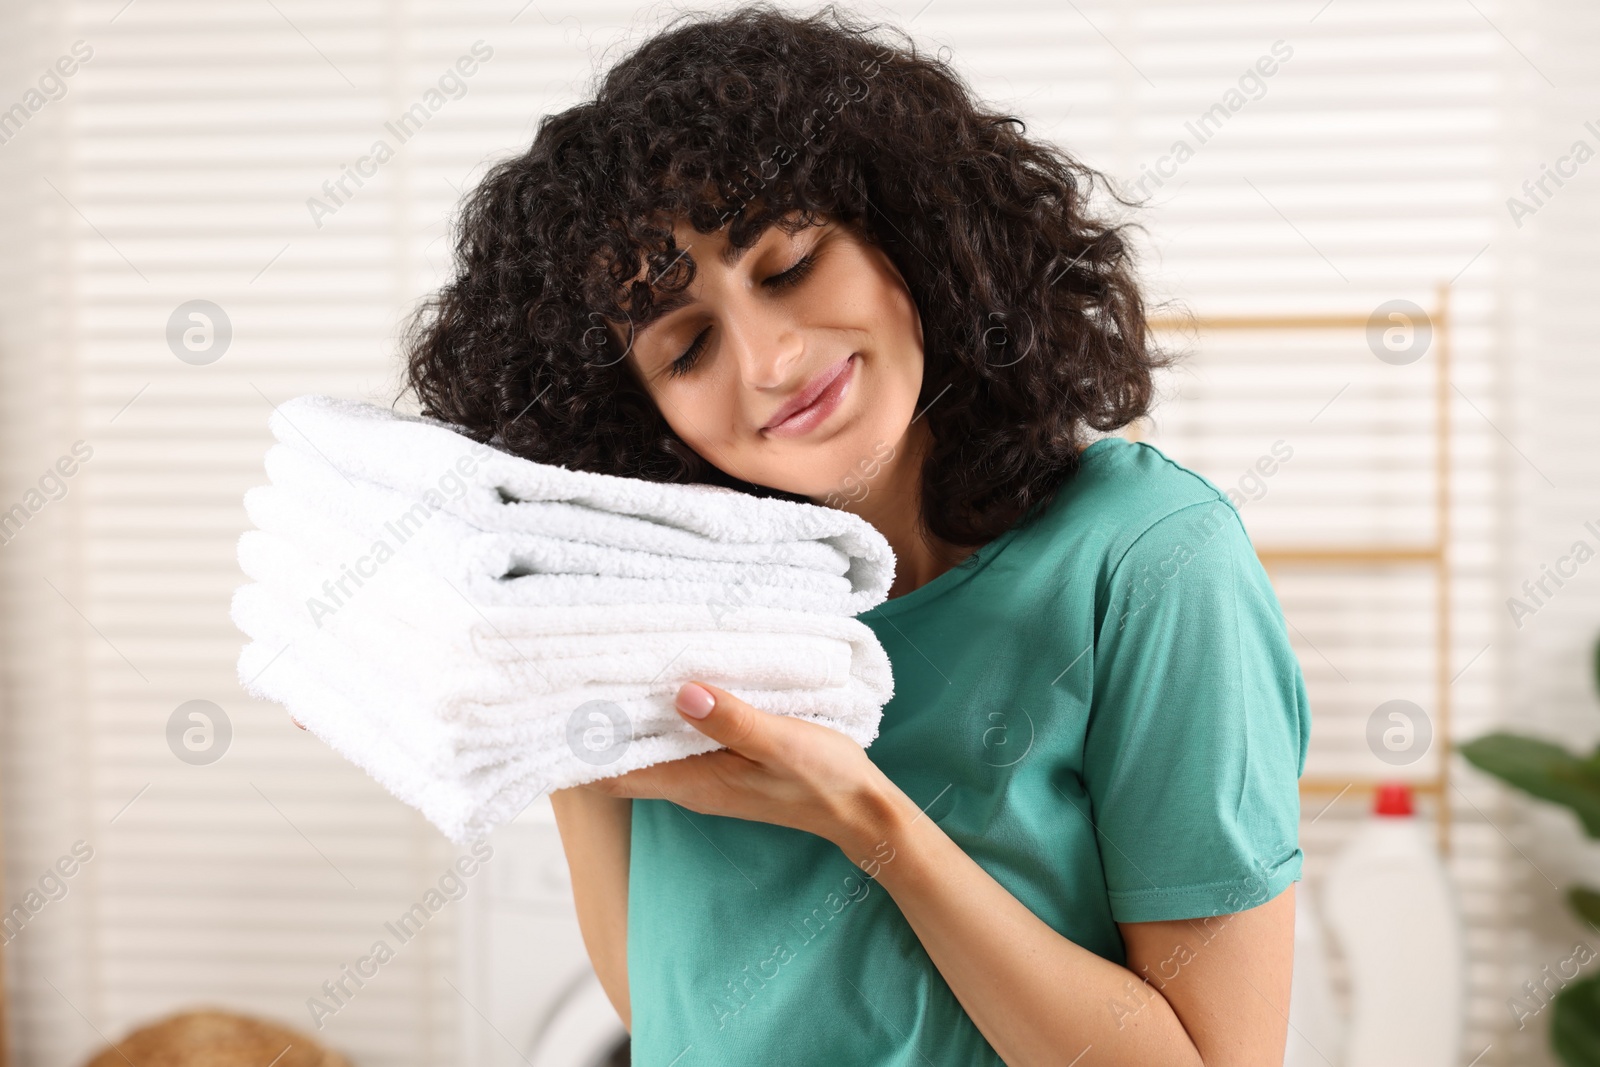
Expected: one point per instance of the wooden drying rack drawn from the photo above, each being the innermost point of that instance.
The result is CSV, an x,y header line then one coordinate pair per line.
x,y
1355,556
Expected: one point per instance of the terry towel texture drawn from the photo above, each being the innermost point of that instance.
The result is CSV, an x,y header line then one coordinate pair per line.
x,y
474,629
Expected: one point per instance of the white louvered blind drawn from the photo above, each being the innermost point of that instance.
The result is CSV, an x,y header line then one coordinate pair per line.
x,y
1550,462
178,167
1370,165
1315,163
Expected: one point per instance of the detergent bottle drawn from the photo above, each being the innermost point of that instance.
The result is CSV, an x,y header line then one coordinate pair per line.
x,y
1393,912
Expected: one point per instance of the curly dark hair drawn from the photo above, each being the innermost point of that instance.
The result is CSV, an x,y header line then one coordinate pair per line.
x,y
1033,323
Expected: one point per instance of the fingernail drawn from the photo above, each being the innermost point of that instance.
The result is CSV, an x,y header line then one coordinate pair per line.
x,y
695,701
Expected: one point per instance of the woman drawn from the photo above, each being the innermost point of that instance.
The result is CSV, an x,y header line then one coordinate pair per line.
x,y
777,254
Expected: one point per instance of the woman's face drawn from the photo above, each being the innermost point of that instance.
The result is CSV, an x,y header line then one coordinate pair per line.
x,y
796,366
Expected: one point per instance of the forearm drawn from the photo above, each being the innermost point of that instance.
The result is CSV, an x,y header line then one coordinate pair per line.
x,y
1036,996
595,834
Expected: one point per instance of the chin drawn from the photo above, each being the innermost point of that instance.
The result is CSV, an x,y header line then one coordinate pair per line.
x,y
854,464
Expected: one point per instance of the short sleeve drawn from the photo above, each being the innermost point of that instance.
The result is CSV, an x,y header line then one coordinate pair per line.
x,y
1198,725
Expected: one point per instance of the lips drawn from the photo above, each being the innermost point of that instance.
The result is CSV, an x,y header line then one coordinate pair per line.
x,y
808,394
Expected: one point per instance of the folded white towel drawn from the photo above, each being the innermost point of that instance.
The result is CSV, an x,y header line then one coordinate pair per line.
x,y
359,503
464,624
533,649
431,462
442,660
363,526
450,715
470,742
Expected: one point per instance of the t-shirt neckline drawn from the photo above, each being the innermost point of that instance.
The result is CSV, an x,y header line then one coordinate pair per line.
x,y
970,565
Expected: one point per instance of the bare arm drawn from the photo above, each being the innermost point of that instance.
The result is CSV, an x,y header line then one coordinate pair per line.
x,y
595,832
1206,993
1226,978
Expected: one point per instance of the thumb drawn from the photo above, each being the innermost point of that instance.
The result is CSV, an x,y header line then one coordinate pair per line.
x,y
723,717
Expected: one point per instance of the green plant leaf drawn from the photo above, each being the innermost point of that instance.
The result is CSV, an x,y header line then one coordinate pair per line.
x,y
1575,1024
1586,902
1541,769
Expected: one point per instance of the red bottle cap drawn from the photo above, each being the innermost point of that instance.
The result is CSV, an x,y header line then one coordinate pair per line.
x,y
1393,798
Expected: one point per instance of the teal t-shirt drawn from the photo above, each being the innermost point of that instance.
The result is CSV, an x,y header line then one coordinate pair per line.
x,y
1101,706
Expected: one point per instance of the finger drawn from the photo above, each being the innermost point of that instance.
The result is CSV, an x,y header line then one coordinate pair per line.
x,y
723,717
689,781
297,722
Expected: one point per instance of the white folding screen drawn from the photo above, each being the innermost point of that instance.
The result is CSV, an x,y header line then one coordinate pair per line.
x,y
198,155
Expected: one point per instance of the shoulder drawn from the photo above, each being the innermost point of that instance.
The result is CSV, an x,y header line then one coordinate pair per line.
x,y
1128,498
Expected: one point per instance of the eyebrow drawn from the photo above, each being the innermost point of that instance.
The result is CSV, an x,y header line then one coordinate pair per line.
x,y
730,257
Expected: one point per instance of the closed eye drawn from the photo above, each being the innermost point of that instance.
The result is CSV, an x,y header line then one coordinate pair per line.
x,y
794,274
685,363
789,278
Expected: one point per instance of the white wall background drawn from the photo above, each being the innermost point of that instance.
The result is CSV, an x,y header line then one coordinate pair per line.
x,y
1375,165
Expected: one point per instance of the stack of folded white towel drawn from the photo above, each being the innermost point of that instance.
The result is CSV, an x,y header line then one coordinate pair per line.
x,y
474,629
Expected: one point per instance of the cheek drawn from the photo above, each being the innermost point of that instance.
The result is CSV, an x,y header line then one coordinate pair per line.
x,y
897,339
700,408
890,315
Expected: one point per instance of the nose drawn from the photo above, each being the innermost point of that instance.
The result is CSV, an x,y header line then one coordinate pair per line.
x,y
763,342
